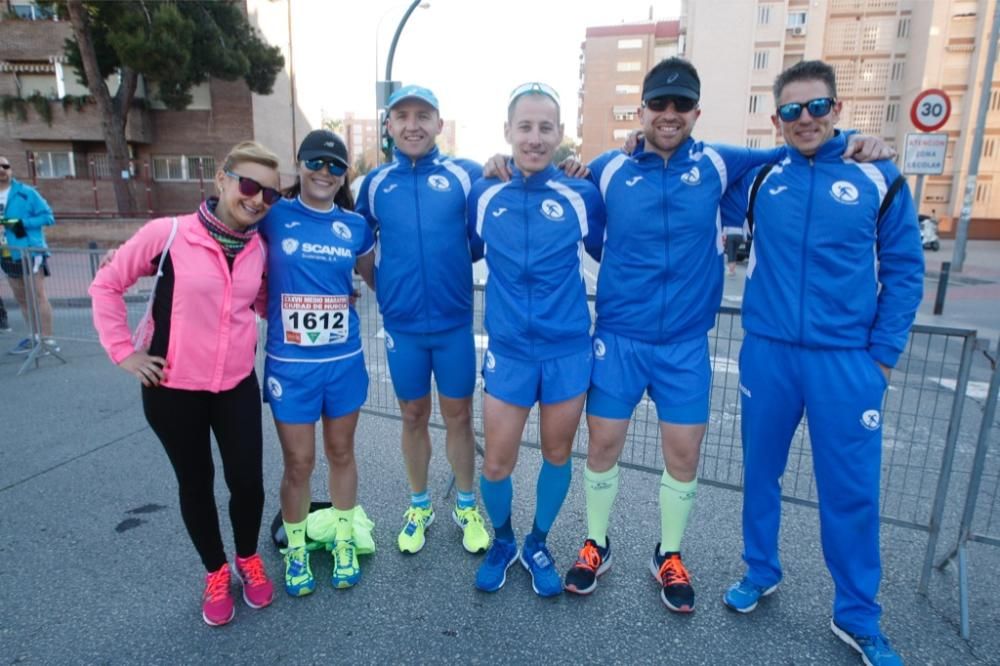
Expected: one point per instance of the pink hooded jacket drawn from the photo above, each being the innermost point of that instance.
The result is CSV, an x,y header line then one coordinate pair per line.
x,y
213,320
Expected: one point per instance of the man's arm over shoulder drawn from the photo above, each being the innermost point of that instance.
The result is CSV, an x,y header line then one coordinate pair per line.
x,y
363,205
736,199
473,215
593,242
900,273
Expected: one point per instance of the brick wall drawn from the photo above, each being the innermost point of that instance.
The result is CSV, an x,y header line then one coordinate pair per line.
x,y
32,40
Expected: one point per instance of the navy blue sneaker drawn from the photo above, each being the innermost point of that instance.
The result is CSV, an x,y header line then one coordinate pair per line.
x,y
743,596
592,561
492,573
535,557
874,650
676,591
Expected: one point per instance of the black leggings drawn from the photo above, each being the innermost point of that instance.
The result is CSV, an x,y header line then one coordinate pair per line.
x,y
182,420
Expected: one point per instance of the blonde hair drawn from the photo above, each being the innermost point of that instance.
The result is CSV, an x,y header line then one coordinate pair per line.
x,y
250,151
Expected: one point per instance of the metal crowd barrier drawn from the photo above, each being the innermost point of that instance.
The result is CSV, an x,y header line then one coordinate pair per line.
x,y
981,513
921,416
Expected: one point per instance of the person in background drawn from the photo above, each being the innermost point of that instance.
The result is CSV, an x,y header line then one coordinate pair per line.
x,y
197,368
834,282
315,367
417,204
732,237
23,214
533,231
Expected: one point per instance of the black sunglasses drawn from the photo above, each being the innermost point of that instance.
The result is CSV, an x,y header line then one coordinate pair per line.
x,y
681,104
250,187
334,168
4,166
817,108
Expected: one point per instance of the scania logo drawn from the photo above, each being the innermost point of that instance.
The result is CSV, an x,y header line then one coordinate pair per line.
x,y
329,250
552,210
274,387
341,229
438,182
599,349
289,245
844,192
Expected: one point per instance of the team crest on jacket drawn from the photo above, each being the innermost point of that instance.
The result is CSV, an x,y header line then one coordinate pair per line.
x,y
289,245
390,344
871,419
341,230
844,192
490,362
553,210
599,349
692,177
438,182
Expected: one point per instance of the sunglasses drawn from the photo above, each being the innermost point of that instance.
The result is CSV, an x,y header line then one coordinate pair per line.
x,y
534,87
4,166
334,168
681,104
250,187
818,108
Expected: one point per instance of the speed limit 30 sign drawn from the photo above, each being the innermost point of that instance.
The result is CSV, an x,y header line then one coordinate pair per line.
x,y
930,110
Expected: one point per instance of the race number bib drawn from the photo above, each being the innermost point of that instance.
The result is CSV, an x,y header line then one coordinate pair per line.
x,y
311,321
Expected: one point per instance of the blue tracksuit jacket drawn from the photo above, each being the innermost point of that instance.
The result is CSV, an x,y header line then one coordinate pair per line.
x,y
533,232
423,270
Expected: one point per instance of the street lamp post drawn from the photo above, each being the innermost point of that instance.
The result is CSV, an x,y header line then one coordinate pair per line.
x,y
385,88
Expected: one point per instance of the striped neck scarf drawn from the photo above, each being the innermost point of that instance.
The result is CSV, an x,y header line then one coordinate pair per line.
x,y
232,241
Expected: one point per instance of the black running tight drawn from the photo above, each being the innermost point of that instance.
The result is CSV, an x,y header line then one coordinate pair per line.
x,y
182,420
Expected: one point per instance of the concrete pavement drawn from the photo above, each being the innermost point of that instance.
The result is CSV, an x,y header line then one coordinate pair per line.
x,y
97,568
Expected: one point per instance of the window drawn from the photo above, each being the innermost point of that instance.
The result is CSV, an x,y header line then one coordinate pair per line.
x,y
763,14
181,167
898,69
760,60
624,112
989,147
756,104
629,66
630,43
796,19
54,165
626,89
753,142
32,12
983,192
869,38
892,112
620,134
903,29
995,100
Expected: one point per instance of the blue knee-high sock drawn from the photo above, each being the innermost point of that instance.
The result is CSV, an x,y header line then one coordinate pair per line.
x,y
553,485
497,498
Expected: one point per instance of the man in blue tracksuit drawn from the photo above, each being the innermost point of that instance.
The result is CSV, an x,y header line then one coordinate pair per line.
x,y
834,280
23,215
533,231
423,280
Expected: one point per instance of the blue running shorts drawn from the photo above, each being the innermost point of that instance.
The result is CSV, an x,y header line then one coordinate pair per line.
x,y
299,392
678,377
450,355
523,383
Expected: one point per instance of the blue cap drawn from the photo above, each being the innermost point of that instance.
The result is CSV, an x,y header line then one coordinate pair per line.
x,y
413,92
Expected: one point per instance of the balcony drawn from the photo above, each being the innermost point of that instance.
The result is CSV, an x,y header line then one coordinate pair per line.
x,y
69,124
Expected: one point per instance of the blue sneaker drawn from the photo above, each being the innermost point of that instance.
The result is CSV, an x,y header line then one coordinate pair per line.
x,y
743,596
874,650
22,347
492,573
535,557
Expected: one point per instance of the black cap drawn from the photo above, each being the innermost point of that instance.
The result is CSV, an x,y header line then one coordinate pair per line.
x,y
323,144
673,79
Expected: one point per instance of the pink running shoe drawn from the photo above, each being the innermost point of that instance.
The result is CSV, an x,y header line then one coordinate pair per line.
x,y
217,607
257,588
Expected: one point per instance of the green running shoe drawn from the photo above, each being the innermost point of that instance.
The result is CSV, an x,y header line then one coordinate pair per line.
x,y
346,570
475,538
299,579
418,519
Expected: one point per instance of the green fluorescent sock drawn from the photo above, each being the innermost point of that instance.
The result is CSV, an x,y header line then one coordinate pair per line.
x,y
676,500
296,533
600,488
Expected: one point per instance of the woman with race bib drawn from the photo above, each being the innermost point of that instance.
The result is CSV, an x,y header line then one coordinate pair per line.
x,y
315,367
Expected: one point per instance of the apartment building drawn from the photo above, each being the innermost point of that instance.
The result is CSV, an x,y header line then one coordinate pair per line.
x,y
613,61
885,52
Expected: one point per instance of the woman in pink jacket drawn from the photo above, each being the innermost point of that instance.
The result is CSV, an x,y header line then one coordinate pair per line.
x,y
197,369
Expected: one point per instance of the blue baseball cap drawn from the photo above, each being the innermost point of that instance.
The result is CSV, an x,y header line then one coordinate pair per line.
x,y
413,92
